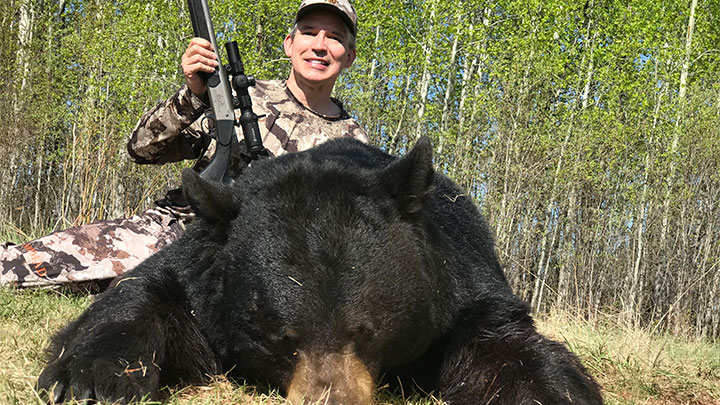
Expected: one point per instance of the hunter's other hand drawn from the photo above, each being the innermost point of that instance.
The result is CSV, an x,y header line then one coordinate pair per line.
x,y
198,57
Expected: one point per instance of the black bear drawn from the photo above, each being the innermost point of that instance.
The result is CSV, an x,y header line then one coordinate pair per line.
x,y
321,273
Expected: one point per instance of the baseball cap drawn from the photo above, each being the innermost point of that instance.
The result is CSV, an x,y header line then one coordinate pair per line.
x,y
342,8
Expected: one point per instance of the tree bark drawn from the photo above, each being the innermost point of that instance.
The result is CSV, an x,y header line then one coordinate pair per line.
x,y
374,62
25,36
681,111
642,214
468,70
571,228
38,170
450,79
672,153
424,84
475,70
393,142
545,251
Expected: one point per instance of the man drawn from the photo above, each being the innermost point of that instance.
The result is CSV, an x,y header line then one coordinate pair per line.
x,y
296,114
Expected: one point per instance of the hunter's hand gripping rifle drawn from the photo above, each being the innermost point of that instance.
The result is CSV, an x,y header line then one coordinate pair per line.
x,y
222,101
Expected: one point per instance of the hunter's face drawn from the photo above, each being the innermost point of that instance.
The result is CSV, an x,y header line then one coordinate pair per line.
x,y
319,50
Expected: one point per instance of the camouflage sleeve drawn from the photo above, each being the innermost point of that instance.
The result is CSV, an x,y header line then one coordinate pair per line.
x,y
171,131
356,131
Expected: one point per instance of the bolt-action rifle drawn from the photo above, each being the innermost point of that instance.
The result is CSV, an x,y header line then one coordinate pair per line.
x,y
222,101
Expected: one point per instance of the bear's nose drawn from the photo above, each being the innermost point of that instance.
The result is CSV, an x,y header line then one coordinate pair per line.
x,y
338,378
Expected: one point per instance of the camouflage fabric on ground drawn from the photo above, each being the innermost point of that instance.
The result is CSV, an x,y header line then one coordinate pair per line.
x,y
97,251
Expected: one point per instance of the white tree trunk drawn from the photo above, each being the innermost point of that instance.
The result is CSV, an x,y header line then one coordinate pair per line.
x,y
424,85
545,252
451,75
374,63
401,121
643,212
468,68
25,36
681,111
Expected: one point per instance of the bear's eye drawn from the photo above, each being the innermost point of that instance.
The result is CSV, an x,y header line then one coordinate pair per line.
x,y
361,334
290,341
291,334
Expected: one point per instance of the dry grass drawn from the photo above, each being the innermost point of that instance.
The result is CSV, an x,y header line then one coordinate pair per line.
x,y
636,367
633,366
28,318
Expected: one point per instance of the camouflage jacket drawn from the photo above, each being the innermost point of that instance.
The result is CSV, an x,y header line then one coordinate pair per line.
x,y
173,130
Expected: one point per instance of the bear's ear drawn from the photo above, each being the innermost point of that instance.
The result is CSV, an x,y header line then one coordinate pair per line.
x,y
409,179
209,200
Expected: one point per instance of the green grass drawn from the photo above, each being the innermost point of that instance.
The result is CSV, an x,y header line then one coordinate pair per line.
x,y
633,366
27,319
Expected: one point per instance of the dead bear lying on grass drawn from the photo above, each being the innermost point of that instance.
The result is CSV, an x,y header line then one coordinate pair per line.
x,y
321,272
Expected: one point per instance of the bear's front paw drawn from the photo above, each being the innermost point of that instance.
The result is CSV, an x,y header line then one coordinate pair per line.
x,y
116,380
55,381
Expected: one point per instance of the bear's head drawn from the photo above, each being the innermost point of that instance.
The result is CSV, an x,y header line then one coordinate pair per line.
x,y
323,266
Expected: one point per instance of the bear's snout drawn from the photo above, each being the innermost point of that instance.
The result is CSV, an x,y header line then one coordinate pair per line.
x,y
330,378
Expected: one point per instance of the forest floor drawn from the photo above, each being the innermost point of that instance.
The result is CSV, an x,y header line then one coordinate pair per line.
x,y
633,366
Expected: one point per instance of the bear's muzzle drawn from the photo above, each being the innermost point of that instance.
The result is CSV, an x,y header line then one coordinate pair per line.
x,y
330,378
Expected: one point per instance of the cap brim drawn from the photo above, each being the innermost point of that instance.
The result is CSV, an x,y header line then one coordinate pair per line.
x,y
313,7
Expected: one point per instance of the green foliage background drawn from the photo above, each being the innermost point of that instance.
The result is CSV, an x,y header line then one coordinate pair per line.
x,y
587,131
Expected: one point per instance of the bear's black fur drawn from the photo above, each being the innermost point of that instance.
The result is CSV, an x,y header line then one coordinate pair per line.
x,y
321,272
